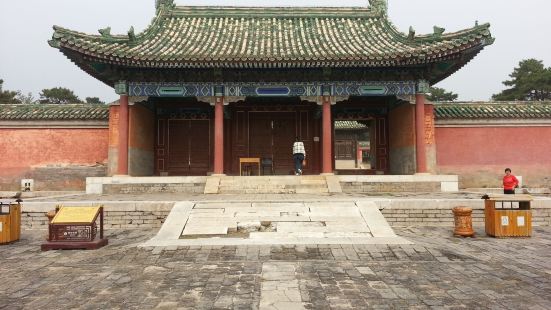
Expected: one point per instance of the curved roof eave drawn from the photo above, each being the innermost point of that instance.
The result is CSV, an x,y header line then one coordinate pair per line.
x,y
357,37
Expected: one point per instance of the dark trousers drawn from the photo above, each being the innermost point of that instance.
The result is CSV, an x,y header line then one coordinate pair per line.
x,y
298,158
508,191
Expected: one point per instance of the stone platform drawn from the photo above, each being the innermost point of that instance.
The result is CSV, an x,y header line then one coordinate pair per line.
x,y
150,210
264,223
307,184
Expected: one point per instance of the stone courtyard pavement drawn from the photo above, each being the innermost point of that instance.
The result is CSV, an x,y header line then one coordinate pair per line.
x,y
437,272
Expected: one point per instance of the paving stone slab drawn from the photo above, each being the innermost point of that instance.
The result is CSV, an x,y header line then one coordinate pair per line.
x,y
205,230
438,272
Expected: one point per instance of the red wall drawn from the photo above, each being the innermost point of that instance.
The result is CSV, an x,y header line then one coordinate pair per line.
x,y
479,155
25,151
141,138
401,133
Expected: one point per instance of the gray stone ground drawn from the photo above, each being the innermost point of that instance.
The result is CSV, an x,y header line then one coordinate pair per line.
x,y
438,272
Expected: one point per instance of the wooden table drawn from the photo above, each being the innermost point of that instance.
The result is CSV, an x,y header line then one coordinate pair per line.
x,y
249,160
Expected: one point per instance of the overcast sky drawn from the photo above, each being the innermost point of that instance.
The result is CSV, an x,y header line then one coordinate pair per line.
x,y
522,30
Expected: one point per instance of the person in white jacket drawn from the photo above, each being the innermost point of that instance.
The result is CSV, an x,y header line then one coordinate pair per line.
x,y
299,154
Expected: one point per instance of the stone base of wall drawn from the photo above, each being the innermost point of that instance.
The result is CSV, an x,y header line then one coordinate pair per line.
x,y
55,178
444,217
389,187
112,219
117,214
398,183
133,185
153,188
398,212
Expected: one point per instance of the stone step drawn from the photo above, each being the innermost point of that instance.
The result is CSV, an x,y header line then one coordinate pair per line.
x,y
270,190
271,182
311,184
270,186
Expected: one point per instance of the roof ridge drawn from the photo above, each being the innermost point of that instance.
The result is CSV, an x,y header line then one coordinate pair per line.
x,y
277,12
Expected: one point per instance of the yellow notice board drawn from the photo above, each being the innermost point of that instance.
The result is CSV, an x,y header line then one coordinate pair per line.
x,y
76,215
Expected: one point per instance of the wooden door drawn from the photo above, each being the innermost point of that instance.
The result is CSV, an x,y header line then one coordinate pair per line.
x,y
382,144
345,149
283,136
260,134
269,132
199,152
178,147
189,151
271,135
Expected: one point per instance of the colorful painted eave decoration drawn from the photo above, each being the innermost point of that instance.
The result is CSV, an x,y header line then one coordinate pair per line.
x,y
288,37
339,88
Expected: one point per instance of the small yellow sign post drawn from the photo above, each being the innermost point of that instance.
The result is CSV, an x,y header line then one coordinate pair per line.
x,y
72,215
76,228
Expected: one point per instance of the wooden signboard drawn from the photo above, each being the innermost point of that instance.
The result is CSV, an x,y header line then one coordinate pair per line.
x,y
74,215
76,228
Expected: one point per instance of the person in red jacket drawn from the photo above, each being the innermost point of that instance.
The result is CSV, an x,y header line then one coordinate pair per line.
x,y
510,182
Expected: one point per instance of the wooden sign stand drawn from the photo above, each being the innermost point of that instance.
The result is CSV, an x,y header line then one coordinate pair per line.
x,y
75,228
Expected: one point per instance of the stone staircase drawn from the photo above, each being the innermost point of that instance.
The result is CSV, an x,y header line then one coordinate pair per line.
x,y
309,184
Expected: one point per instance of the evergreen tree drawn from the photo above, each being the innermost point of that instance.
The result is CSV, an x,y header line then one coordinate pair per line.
x,y
529,81
58,95
7,96
440,94
94,100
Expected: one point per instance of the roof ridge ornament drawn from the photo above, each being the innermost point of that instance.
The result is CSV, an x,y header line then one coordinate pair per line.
x,y
438,31
105,32
164,3
131,34
379,6
411,34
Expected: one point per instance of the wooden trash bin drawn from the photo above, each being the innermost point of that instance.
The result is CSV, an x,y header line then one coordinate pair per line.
x,y
508,215
10,222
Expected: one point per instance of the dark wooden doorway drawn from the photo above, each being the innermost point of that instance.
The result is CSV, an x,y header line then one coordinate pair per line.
x,y
189,147
345,149
271,135
266,128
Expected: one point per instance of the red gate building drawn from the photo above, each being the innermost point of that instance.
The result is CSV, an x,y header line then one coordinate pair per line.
x,y
202,87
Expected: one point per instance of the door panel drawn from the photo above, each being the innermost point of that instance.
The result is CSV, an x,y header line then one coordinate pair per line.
x,y
266,131
199,141
178,145
260,135
271,135
283,135
188,147
344,149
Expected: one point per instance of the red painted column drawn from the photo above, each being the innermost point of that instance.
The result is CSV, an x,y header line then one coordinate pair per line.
x,y
123,136
327,160
420,148
219,135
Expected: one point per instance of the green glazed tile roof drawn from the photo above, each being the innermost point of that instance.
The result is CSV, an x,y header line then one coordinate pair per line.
x,y
493,111
28,112
288,37
349,125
